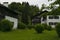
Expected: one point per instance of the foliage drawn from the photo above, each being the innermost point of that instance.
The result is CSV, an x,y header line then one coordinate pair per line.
x,y
5,25
21,25
25,9
14,6
55,7
47,27
43,7
30,26
58,29
56,2
39,28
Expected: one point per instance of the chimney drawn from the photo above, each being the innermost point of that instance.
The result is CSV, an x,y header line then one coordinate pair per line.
x,y
5,4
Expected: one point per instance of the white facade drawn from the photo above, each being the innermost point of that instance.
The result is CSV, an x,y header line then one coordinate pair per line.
x,y
43,21
5,4
52,20
14,20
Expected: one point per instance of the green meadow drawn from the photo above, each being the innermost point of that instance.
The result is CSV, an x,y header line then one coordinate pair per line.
x,y
28,35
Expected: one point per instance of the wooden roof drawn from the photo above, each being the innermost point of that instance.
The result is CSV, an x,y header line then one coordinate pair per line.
x,y
39,14
8,11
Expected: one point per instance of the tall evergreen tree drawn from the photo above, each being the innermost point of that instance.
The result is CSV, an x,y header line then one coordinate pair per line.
x,y
26,11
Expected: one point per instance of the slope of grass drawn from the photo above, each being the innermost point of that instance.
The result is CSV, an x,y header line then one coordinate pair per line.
x,y
28,35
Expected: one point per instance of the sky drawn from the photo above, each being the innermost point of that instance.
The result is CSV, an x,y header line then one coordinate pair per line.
x,y
31,2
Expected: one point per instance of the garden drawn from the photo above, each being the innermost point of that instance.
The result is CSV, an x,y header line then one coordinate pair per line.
x,y
28,32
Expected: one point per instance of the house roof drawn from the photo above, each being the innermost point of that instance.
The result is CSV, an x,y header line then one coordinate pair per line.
x,y
53,12
40,14
7,9
45,13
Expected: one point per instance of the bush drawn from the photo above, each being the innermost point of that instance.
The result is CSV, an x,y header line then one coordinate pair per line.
x,y
30,26
47,27
39,28
58,29
5,25
21,25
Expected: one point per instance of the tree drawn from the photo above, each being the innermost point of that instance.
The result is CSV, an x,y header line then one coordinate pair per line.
x,y
56,2
26,11
14,6
55,9
43,7
17,8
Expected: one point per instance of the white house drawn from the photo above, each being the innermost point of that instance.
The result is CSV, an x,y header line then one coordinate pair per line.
x,y
5,4
51,20
6,13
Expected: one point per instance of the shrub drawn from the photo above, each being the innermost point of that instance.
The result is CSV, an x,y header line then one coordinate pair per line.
x,y
21,25
5,25
30,26
47,27
39,28
58,29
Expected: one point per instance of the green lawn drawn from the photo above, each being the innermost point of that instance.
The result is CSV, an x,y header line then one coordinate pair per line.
x,y
28,35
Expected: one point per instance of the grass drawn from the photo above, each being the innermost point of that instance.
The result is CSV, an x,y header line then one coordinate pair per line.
x,y
28,35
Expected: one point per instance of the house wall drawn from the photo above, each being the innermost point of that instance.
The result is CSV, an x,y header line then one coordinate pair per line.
x,y
14,20
53,20
43,21
5,4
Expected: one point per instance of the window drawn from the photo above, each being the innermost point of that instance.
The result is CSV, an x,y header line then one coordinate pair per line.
x,y
52,23
5,2
55,23
53,17
56,17
50,17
